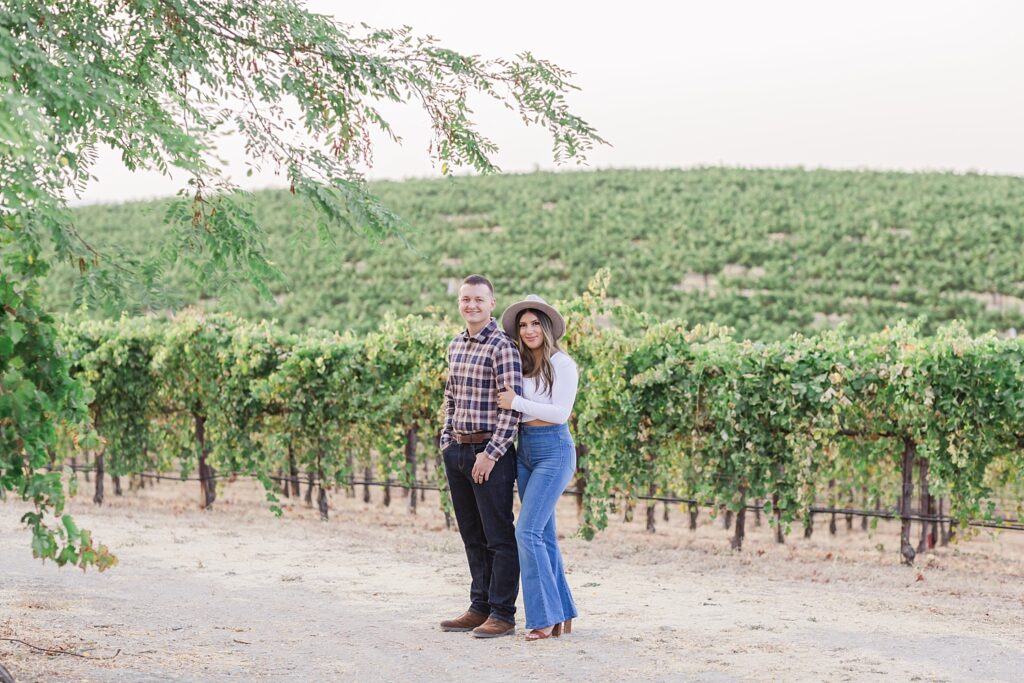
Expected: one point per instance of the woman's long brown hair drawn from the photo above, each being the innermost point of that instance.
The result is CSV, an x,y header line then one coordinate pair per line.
x,y
549,347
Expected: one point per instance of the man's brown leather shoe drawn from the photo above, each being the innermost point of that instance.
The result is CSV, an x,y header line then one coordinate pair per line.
x,y
465,622
492,628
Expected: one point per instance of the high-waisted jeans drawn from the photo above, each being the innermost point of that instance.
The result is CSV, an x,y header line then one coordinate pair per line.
x,y
546,463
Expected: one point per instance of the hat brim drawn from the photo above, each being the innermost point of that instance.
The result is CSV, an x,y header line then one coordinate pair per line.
x,y
508,318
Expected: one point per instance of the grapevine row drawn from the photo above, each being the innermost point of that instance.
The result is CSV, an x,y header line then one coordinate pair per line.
x,y
670,411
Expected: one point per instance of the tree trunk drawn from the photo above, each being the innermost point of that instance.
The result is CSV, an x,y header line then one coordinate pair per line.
x,y
933,537
651,507
664,511
350,467
832,504
426,478
293,471
922,503
864,519
88,476
366,484
909,455
117,485
727,520
74,466
758,503
321,494
321,501
443,485
410,462
309,488
387,491
98,495
207,482
282,483
780,536
944,527
741,522
694,511
581,478
808,524
849,517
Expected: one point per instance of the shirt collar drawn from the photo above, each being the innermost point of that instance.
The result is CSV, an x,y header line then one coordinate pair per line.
x,y
482,336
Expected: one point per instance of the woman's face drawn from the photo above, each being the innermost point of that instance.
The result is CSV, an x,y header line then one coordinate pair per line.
x,y
530,331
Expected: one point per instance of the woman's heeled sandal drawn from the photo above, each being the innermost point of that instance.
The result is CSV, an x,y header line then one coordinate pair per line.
x,y
567,626
538,634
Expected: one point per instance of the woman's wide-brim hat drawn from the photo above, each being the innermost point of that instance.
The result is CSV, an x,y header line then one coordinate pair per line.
x,y
508,318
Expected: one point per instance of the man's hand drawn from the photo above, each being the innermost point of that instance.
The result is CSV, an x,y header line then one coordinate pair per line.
x,y
482,468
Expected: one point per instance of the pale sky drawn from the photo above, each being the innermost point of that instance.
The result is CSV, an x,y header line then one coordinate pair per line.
x,y
899,84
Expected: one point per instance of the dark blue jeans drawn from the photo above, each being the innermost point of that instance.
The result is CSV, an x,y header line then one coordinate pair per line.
x,y
484,514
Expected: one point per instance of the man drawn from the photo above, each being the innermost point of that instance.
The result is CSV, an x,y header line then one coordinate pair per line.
x,y
479,459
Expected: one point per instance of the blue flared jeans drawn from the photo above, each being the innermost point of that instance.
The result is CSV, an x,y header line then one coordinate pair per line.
x,y
546,464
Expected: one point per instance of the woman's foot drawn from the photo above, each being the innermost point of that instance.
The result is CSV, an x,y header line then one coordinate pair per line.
x,y
544,633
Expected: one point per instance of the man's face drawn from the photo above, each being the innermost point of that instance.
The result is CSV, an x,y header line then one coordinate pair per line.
x,y
475,304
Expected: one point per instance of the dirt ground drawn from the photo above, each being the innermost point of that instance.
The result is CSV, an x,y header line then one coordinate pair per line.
x,y
238,594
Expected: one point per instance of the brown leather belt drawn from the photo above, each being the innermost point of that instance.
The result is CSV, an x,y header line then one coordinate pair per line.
x,y
474,437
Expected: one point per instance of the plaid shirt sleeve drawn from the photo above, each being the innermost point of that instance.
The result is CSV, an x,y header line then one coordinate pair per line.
x,y
508,374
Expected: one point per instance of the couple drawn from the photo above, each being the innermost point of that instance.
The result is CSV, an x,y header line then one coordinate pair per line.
x,y
500,383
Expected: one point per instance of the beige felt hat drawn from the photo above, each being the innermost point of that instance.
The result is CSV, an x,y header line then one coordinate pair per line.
x,y
508,318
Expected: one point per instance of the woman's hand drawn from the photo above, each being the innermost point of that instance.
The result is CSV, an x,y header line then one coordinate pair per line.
x,y
505,397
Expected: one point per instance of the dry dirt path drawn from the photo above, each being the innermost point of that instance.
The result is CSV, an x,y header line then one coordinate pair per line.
x,y
237,594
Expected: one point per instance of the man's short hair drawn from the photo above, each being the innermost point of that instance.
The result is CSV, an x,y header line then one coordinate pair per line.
x,y
479,280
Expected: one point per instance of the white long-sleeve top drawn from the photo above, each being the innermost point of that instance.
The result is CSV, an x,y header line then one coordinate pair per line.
x,y
536,404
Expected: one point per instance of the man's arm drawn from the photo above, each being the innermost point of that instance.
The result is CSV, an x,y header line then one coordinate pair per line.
x,y
448,431
508,374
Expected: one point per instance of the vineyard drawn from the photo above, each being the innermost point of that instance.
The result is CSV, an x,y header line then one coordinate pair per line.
x,y
896,423
768,252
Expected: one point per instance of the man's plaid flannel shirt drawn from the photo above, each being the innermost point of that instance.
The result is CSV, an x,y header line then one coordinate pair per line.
x,y
478,366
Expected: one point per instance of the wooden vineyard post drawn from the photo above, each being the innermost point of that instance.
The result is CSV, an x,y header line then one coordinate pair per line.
x,y
664,511
116,480
694,511
309,488
366,484
758,504
808,523
922,504
410,461
727,520
909,456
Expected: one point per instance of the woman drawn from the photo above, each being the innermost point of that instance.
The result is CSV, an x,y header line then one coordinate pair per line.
x,y
546,460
